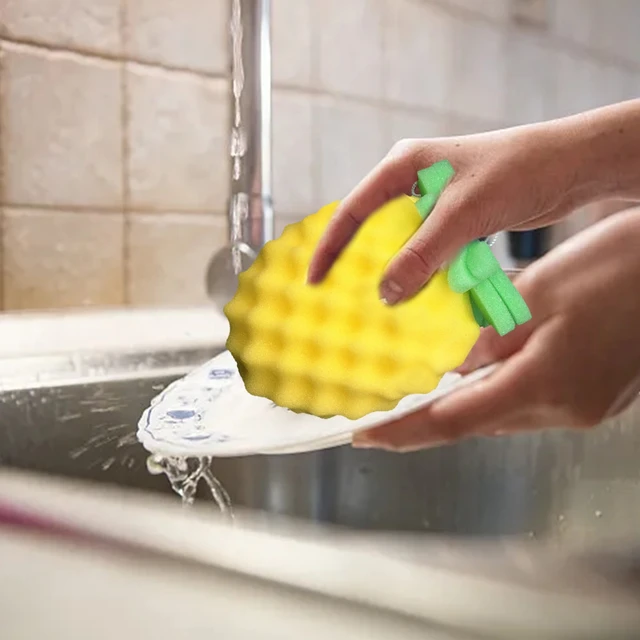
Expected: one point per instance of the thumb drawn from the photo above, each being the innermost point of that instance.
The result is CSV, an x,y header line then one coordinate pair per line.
x,y
491,347
447,229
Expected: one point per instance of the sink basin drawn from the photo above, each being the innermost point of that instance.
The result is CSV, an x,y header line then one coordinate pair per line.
x,y
575,488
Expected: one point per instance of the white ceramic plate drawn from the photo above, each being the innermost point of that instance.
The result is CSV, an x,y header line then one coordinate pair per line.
x,y
210,413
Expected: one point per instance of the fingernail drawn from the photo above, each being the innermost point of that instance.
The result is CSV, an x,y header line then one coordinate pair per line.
x,y
312,276
390,292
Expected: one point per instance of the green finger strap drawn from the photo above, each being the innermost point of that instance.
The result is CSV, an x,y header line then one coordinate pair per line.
x,y
432,181
475,270
490,304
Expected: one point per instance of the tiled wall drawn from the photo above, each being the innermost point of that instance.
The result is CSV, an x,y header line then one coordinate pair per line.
x,y
114,119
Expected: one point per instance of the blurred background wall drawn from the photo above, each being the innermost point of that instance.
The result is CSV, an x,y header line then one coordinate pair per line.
x,y
114,119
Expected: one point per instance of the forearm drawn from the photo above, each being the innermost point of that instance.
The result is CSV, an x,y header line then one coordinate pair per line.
x,y
600,152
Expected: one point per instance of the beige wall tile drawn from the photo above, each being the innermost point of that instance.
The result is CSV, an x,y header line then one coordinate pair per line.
x,y
350,139
576,81
494,9
418,53
169,255
627,43
190,34
350,46
54,259
575,20
293,186
632,85
610,84
616,28
62,138
529,86
411,124
178,140
292,46
460,126
90,25
477,86
282,221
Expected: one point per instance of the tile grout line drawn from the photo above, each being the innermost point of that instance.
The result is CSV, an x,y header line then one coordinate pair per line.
x,y
124,155
383,103
113,58
80,209
457,12
316,91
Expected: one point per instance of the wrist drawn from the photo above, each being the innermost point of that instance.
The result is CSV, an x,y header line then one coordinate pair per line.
x,y
555,156
599,151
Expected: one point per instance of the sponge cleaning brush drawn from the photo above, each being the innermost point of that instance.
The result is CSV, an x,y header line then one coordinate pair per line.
x,y
335,348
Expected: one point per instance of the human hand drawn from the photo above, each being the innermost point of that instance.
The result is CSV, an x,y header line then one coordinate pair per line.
x,y
519,178
574,364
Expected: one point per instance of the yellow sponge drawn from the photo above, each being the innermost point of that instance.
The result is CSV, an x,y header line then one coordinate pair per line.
x,y
336,348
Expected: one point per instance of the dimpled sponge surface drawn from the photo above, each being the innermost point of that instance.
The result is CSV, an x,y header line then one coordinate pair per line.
x,y
336,348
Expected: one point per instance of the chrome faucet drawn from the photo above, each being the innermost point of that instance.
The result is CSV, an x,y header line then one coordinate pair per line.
x,y
250,206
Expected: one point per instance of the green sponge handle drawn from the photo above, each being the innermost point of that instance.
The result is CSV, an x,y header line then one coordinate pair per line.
x,y
432,181
475,270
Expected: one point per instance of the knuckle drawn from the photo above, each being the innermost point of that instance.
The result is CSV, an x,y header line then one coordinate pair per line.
x,y
468,210
472,204
413,263
402,149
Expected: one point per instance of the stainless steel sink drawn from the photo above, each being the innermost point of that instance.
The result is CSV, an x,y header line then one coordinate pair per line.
x,y
567,486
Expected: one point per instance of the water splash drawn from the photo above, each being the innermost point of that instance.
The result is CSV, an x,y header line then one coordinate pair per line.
x,y
185,475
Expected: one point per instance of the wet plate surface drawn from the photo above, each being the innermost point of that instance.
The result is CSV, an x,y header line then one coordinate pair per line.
x,y
210,413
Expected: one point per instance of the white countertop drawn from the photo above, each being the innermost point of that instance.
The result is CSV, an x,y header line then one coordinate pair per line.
x,y
125,562
50,333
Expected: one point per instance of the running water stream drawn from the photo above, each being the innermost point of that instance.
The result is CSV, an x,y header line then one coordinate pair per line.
x,y
238,144
185,474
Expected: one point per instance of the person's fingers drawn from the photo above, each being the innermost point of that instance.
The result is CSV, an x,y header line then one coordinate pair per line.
x,y
447,229
480,408
394,176
491,347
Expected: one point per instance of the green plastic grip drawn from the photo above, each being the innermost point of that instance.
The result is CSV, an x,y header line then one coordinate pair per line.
x,y
494,299
432,181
